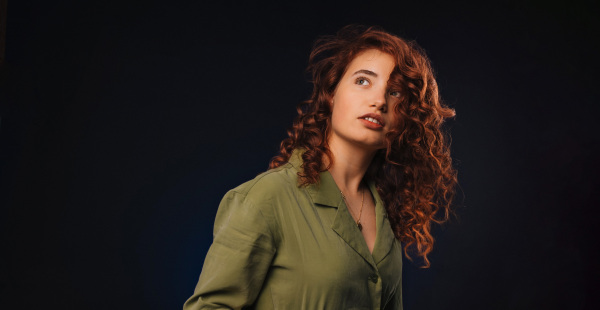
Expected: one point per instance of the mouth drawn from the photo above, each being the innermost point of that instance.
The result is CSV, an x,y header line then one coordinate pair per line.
x,y
374,119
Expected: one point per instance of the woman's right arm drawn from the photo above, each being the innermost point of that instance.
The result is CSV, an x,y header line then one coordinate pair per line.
x,y
239,258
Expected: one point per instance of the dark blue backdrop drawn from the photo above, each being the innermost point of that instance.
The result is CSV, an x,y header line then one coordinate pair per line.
x,y
124,123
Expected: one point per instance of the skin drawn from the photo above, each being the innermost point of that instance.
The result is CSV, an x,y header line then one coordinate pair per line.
x,y
353,140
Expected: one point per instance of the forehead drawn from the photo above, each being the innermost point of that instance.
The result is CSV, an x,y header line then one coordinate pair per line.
x,y
374,60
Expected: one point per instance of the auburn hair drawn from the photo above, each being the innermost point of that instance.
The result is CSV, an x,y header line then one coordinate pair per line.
x,y
413,173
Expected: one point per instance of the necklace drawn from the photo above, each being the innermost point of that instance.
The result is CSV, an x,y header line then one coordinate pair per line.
x,y
362,203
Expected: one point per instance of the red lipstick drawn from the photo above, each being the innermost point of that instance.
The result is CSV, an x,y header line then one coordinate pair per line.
x,y
372,120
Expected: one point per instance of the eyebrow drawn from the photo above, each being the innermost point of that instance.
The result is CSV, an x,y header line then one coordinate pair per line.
x,y
367,72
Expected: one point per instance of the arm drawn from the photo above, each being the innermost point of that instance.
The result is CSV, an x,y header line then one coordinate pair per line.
x,y
238,260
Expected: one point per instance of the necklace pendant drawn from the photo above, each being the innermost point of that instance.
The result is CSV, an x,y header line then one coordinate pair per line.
x,y
359,225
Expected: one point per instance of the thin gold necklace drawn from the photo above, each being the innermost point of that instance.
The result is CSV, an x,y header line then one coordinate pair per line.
x,y
362,203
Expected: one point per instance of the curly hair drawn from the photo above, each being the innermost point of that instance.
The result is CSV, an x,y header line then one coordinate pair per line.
x,y
413,173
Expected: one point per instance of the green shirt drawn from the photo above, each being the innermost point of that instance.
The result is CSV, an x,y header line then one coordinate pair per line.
x,y
280,246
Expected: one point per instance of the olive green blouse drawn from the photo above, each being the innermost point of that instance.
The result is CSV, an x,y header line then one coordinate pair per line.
x,y
280,246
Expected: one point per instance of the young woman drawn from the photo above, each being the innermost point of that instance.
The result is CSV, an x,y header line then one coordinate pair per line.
x,y
364,172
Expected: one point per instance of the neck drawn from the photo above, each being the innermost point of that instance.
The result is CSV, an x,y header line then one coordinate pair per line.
x,y
350,163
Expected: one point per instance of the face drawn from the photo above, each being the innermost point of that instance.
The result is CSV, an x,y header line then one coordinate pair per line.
x,y
362,103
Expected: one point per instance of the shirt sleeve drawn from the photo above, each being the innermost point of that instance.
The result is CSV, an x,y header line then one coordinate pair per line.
x,y
239,258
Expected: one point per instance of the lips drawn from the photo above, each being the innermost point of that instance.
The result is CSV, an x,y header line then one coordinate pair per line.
x,y
374,119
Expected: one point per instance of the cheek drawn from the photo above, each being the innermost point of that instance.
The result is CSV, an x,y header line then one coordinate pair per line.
x,y
340,118
336,118
338,108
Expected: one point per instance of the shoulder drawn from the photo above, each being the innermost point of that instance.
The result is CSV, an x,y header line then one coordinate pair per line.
x,y
268,184
263,194
253,204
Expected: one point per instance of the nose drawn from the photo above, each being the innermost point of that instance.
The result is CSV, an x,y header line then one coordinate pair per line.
x,y
380,101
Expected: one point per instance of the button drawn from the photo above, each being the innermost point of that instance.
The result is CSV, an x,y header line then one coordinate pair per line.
x,y
373,278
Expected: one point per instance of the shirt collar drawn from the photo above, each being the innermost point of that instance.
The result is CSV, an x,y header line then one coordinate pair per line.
x,y
325,192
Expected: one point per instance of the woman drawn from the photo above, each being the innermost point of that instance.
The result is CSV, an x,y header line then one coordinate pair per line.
x,y
365,169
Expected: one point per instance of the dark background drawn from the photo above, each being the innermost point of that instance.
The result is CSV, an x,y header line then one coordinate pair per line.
x,y
123,124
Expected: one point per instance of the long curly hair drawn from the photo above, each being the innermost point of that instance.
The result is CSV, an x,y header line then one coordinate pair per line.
x,y
413,173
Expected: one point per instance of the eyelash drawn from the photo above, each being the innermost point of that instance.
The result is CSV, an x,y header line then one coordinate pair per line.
x,y
362,78
392,92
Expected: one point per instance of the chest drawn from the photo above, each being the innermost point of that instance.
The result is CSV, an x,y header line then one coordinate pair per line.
x,y
321,252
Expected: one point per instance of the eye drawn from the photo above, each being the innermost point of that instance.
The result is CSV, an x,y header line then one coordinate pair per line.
x,y
363,81
395,94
